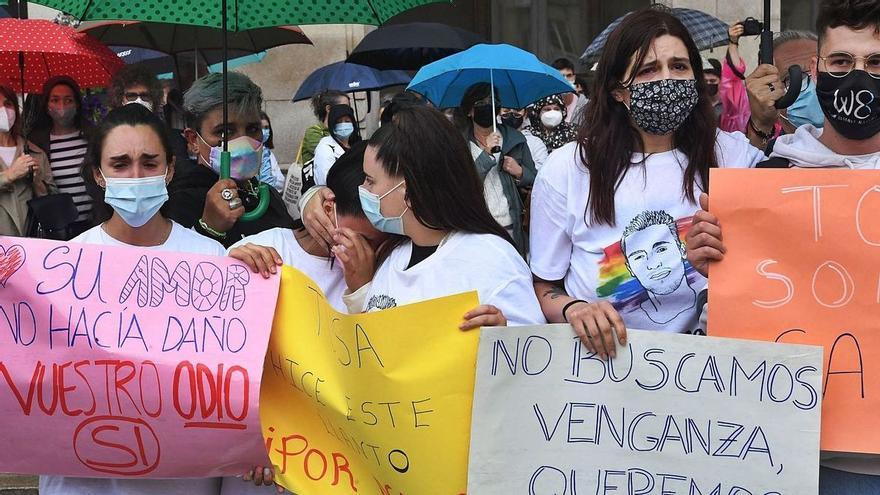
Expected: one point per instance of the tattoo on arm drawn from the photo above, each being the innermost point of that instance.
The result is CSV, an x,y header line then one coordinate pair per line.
x,y
555,293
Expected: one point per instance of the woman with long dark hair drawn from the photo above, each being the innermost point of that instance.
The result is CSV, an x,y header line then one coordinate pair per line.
x,y
421,183
609,211
61,130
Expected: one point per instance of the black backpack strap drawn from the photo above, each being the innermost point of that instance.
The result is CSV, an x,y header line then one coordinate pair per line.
x,y
769,149
775,162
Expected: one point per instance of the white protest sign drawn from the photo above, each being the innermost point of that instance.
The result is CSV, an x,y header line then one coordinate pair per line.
x,y
671,415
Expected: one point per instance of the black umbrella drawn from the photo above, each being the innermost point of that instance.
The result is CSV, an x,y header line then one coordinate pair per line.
x,y
410,46
176,38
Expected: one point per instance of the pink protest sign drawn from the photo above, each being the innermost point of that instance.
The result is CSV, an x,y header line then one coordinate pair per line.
x,y
129,362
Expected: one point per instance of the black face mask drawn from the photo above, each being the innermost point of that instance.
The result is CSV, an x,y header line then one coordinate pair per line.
x,y
713,89
511,119
483,116
850,103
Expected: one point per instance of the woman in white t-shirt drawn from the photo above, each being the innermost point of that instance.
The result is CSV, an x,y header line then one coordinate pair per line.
x,y
421,183
127,169
609,212
358,239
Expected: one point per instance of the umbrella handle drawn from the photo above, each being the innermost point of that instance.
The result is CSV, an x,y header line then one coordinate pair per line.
x,y
495,149
264,195
765,56
795,81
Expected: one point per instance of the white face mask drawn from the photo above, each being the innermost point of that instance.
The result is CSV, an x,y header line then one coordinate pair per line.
x,y
7,119
551,118
140,101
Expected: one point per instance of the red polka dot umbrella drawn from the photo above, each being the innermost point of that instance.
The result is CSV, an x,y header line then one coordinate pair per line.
x,y
35,50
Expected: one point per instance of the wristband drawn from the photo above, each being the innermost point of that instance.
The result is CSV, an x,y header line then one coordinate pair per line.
x,y
208,230
571,303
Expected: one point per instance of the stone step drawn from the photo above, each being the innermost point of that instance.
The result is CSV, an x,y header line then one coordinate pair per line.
x,y
15,484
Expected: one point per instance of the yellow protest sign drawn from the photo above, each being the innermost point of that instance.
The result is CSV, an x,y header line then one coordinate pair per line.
x,y
375,403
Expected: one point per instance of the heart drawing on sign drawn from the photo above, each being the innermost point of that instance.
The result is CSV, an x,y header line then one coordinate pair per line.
x,y
11,259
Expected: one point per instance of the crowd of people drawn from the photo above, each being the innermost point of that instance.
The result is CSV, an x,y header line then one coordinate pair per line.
x,y
592,213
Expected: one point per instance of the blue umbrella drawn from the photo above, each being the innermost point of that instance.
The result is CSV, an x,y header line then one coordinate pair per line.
x,y
349,78
164,65
134,55
706,30
518,75
237,62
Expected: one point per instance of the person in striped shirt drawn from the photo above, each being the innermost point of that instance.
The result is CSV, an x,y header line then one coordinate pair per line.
x,y
62,131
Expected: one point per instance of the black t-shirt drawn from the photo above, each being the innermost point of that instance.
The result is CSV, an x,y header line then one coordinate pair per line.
x,y
189,189
420,254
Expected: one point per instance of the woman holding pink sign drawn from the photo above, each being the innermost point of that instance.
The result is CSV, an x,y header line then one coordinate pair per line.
x,y
127,168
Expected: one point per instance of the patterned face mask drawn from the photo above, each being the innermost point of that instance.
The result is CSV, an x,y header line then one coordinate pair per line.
x,y
661,107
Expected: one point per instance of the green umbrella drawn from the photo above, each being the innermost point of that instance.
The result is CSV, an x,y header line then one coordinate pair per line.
x,y
241,14
238,15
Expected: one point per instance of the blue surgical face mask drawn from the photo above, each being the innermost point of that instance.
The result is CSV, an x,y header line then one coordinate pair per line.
x,y
265,135
343,130
372,206
136,200
806,109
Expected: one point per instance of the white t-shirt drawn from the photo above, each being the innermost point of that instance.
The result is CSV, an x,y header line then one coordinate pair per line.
x,y
326,153
463,262
651,285
7,154
330,279
180,240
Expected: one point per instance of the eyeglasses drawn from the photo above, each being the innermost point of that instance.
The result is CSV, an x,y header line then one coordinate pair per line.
x,y
840,64
134,96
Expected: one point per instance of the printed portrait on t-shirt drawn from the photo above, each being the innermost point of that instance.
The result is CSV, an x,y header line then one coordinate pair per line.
x,y
646,275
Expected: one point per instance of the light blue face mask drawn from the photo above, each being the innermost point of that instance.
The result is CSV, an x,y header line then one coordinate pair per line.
x,y
136,200
372,206
343,130
266,134
806,109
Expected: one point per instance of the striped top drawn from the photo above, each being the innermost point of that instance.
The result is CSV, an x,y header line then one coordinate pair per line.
x,y
66,154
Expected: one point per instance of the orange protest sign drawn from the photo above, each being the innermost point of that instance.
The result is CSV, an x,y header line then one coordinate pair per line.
x,y
801,267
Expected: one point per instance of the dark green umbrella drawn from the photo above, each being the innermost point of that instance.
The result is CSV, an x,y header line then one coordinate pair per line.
x,y
234,16
241,14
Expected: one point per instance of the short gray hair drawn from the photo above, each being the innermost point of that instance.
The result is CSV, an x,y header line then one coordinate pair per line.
x,y
206,94
793,35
